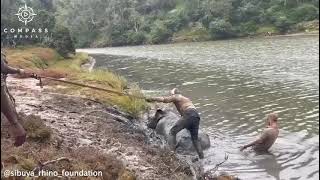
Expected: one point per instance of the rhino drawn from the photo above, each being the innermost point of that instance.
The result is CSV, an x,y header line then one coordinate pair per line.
x,y
163,121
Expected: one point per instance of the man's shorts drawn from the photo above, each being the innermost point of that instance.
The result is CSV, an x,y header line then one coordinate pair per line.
x,y
190,121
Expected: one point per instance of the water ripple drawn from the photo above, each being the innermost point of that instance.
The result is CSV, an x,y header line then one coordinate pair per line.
x,y
234,87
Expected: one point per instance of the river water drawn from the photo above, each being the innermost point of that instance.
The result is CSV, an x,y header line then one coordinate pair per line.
x,y
234,84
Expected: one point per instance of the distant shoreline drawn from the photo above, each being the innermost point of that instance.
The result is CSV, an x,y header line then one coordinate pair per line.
x,y
297,34
302,34
315,33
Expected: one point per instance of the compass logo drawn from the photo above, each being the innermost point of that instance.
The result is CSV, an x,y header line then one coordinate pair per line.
x,y
15,34
25,14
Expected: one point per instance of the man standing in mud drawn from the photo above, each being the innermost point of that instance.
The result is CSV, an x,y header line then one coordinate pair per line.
x,y
268,136
190,117
7,106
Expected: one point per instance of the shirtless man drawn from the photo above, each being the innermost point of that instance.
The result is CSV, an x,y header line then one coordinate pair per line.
x,y
268,136
7,107
190,117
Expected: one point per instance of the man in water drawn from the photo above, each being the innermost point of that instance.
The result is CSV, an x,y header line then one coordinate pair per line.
x,y
190,119
7,106
268,136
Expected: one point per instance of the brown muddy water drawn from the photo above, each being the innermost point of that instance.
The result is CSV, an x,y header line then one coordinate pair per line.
x,y
234,84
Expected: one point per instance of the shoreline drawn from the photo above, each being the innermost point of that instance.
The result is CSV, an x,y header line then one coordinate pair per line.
x,y
74,122
315,34
256,36
79,122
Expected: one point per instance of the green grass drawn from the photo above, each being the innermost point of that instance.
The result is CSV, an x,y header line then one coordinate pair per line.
x,y
47,62
100,76
266,29
133,106
192,34
32,58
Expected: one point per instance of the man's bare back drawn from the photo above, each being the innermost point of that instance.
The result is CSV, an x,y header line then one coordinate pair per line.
x,y
182,103
267,139
268,136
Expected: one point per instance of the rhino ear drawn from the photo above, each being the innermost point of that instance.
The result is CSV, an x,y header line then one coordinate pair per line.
x,y
160,114
160,111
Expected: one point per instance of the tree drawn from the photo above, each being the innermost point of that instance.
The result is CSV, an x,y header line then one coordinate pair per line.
x,y
62,41
305,12
283,24
133,22
159,33
220,29
136,38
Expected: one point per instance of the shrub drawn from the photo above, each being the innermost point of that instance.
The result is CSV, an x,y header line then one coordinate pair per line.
x,y
133,106
118,35
62,41
283,24
118,40
198,33
220,29
305,12
175,20
136,38
248,28
159,33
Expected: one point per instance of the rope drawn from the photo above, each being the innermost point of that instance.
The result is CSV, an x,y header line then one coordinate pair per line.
x,y
87,86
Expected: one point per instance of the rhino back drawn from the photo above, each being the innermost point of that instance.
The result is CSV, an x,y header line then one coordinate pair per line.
x,y
183,137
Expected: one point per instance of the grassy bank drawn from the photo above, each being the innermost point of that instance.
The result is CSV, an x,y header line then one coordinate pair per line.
x,y
47,62
43,142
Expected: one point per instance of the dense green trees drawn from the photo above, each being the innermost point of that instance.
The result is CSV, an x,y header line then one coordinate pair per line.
x,y
42,30
98,23
132,22
62,41
220,29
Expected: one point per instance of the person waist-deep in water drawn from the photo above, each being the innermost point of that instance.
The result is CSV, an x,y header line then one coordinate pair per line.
x,y
190,119
7,106
267,137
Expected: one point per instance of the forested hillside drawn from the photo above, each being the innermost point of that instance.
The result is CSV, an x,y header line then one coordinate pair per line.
x,y
98,23
132,22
